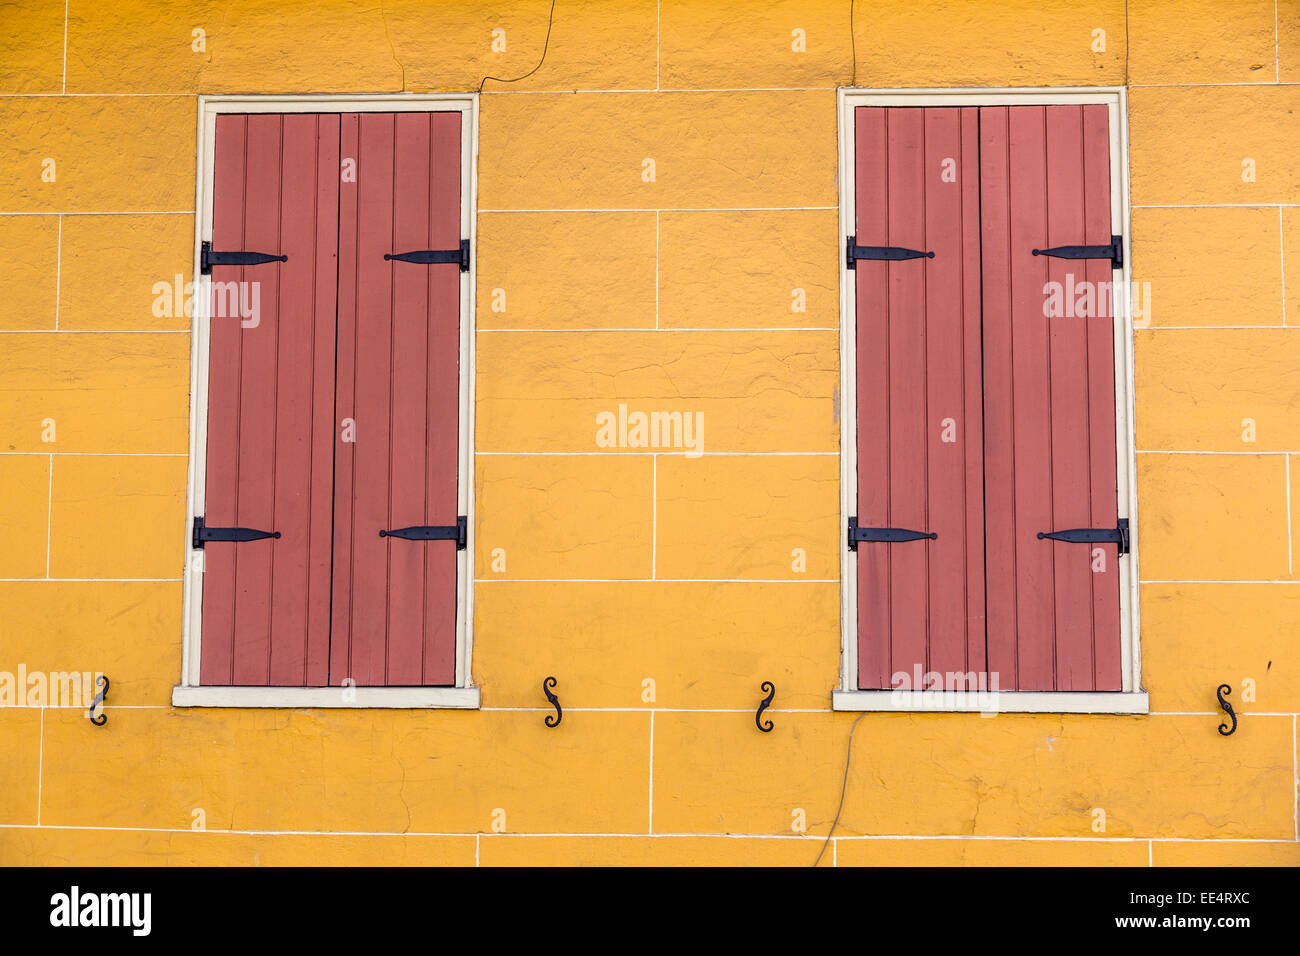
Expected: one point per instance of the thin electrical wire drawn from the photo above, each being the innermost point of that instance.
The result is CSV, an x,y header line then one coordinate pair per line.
x,y
844,788
545,46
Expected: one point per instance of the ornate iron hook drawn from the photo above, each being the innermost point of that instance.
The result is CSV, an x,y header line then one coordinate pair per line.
x,y
765,725
1227,709
552,721
100,694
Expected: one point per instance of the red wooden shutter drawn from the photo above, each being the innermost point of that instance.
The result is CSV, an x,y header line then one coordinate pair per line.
x,y
1049,388
394,615
920,602
270,402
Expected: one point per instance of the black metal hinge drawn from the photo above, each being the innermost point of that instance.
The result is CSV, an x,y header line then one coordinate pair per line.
x,y
204,534
1117,535
430,256
208,258
1114,252
426,532
895,535
853,252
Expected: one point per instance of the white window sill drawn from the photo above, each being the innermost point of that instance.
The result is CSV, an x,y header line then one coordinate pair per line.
x,y
1003,702
405,698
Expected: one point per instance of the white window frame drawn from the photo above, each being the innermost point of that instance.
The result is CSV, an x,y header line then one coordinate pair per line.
x,y
189,693
1131,699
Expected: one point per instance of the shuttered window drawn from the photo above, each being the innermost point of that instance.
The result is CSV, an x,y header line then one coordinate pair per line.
x,y
329,518
988,539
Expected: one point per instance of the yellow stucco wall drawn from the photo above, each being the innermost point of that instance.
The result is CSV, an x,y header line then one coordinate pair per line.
x,y
737,123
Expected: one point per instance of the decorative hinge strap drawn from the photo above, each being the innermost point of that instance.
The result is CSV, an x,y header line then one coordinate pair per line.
x,y
1117,535
208,258
854,252
204,534
431,256
1114,252
424,532
894,535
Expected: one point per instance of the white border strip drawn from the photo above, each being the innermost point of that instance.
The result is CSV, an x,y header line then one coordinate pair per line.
x,y
992,702
1125,440
403,698
189,693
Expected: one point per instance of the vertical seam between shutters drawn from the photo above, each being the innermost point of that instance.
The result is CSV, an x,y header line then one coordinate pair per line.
x,y
925,391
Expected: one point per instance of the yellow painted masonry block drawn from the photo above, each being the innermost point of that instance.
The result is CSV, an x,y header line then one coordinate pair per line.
x,y
542,516
118,517
1288,42
658,150
1226,853
104,154
24,515
1198,636
29,251
146,251
130,631
749,270
1012,43
1215,145
949,774
646,851
752,391
352,46
104,393
1201,41
972,852
31,48
1212,517
27,846
391,772
1218,390
20,749
769,517
1181,252
657,644
780,43
584,270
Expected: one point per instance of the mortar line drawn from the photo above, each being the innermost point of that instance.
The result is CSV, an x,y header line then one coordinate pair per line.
x,y
1163,451
96,331
58,273
477,838
651,825
40,768
97,212
86,580
49,516
1151,853
835,852
1216,205
101,454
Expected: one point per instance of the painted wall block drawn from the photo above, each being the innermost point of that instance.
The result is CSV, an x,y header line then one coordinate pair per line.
x,y
114,516
130,631
1198,636
24,514
572,392
1009,775
749,269
1171,164
374,772
1291,248
1226,853
1288,43
1182,253
92,172
31,49
1212,517
1218,390
105,393
148,253
555,152
185,847
564,517
29,248
655,644
754,45
645,851
593,270
1172,42
971,852
1020,43
744,517
20,747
